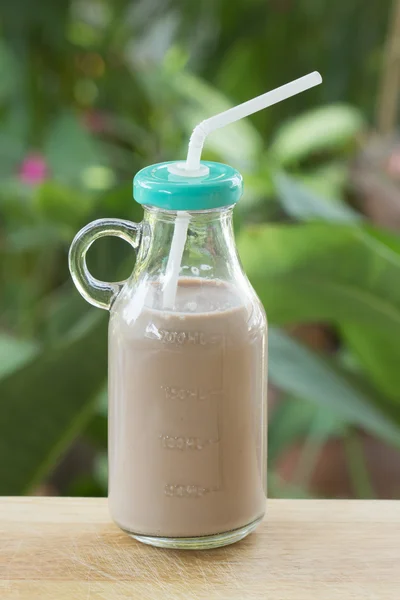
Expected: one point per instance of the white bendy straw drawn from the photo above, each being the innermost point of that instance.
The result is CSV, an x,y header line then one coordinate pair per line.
x,y
236,113
192,167
175,258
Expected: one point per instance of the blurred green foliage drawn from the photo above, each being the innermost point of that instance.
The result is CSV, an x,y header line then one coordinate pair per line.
x,y
93,90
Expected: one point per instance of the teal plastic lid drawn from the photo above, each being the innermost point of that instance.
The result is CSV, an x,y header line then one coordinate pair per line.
x,y
156,186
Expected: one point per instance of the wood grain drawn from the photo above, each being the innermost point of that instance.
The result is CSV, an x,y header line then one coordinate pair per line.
x,y
58,548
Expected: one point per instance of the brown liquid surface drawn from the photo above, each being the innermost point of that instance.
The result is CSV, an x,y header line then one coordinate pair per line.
x,y
185,417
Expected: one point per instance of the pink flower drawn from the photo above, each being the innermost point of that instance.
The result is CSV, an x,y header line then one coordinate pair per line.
x,y
33,169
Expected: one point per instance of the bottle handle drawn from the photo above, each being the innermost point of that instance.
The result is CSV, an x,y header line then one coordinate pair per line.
x,y
99,293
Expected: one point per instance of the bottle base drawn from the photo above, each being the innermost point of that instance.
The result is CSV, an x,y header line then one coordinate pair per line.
x,y
198,543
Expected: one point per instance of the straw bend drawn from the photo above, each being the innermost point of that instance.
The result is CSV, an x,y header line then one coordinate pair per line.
x,y
245,109
196,143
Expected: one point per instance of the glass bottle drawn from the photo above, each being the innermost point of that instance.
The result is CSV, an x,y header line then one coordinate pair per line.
x,y
187,382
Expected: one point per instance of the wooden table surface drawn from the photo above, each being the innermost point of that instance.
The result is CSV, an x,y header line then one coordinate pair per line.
x,y
57,548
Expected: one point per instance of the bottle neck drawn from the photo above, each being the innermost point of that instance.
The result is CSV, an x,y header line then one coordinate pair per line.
x,y
209,251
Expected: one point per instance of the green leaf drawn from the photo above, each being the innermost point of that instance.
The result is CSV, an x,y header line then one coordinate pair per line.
x,y
329,128
295,418
9,73
304,204
13,140
61,204
376,349
36,237
322,271
379,353
63,311
297,370
45,403
70,148
388,239
101,471
14,353
118,201
328,180
360,476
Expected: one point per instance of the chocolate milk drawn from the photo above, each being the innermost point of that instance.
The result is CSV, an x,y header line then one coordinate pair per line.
x,y
186,412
